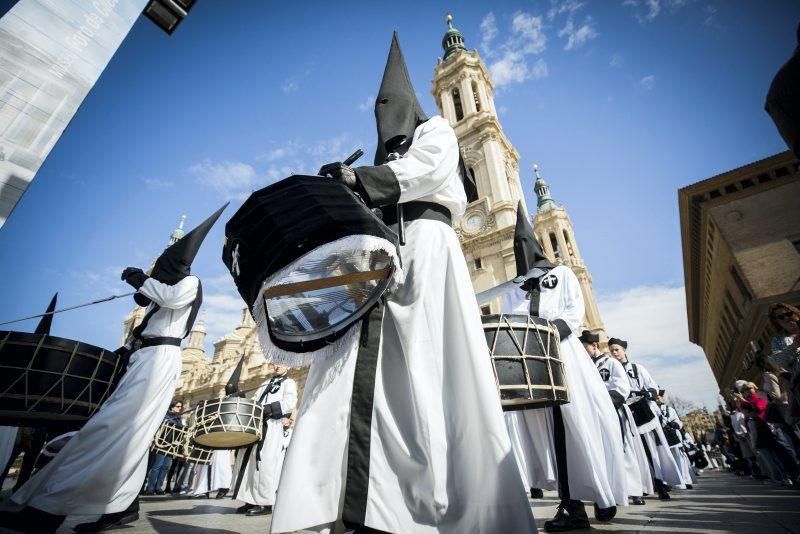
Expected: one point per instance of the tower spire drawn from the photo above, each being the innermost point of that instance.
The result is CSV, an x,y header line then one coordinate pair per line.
x,y
178,232
452,41
545,201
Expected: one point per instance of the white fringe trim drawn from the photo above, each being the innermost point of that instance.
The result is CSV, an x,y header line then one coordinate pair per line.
x,y
275,354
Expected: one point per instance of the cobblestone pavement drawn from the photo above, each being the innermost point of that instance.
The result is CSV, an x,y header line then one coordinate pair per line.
x,y
720,503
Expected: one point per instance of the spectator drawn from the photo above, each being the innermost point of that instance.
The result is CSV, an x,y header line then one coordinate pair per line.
x,y
157,474
742,437
784,359
765,444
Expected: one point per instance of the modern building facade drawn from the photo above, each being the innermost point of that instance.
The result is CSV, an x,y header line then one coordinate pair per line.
x,y
741,252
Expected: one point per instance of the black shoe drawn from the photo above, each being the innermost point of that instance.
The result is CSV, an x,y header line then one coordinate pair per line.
x,y
168,490
108,521
244,508
689,486
663,495
147,493
222,493
159,492
571,515
604,515
537,493
31,520
259,510
639,501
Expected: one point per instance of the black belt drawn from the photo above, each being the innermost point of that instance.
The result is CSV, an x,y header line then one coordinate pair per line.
x,y
156,341
413,211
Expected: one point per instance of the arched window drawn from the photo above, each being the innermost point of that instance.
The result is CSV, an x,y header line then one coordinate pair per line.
x,y
457,104
475,96
554,244
569,244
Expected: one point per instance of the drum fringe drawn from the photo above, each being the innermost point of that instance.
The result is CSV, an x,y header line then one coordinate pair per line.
x,y
275,354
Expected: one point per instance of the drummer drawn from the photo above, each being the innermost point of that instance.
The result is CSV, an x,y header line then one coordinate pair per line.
x,y
665,470
258,467
101,469
637,469
574,447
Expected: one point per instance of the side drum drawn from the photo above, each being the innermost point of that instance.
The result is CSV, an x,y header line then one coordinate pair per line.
x,y
170,439
528,369
228,423
53,382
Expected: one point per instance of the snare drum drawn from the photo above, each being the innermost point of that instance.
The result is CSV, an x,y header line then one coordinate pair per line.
x,y
52,381
170,440
228,423
528,369
310,259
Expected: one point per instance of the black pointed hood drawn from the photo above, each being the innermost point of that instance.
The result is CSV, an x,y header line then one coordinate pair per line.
x,y
236,376
397,110
175,262
47,321
528,252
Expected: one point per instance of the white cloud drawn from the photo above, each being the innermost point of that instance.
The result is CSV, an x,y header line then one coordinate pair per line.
x,y
155,183
290,86
616,60
232,179
569,7
653,321
576,36
222,312
367,104
526,39
648,82
488,33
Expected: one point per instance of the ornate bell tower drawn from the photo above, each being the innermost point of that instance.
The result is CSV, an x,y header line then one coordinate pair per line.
x,y
554,231
464,94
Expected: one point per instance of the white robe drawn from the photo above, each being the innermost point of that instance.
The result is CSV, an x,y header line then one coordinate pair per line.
x,y
637,469
8,438
664,466
221,473
669,415
102,468
594,447
260,480
440,458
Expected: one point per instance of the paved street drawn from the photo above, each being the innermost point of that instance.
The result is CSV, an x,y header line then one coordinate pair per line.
x,y
720,503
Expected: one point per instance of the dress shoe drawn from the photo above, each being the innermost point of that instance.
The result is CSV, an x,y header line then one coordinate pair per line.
x,y
637,501
537,493
604,515
244,508
31,520
689,486
159,492
571,515
109,521
222,493
259,510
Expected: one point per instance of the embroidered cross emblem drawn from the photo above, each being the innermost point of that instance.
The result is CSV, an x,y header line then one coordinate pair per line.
x,y
605,373
549,282
235,270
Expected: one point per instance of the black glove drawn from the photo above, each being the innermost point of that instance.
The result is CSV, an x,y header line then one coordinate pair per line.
x,y
530,284
267,412
275,410
674,425
339,172
616,398
134,276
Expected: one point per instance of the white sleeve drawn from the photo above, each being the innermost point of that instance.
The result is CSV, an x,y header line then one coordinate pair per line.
x,y
431,160
174,297
289,400
574,310
645,379
618,379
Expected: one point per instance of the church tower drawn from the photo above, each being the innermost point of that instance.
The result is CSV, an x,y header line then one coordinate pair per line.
x,y
195,349
464,94
554,231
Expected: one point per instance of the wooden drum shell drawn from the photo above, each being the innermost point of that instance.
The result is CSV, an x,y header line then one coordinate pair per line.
x,y
228,423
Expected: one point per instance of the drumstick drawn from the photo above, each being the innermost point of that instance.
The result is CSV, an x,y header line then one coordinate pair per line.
x,y
353,157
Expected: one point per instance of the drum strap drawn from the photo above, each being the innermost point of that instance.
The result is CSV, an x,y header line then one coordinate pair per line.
x,y
360,434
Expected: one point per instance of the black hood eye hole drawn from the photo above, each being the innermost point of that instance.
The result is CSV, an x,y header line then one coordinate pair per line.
x,y
384,101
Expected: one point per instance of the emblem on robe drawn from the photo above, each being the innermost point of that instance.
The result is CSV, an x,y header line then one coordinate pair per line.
x,y
235,270
549,282
605,373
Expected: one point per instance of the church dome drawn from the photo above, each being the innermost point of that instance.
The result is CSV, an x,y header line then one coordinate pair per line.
x,y
453,40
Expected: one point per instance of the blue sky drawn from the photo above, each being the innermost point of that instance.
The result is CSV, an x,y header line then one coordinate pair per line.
x,y
620,103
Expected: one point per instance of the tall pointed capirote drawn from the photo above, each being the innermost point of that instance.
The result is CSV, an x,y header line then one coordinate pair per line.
x,y
47,321
175,262
528,251
397,110
236,376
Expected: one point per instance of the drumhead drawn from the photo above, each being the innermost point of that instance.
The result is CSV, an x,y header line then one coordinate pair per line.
x,y
225,440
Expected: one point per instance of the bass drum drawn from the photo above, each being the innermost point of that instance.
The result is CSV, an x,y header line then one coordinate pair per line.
x,y
53,382
169,440
528,369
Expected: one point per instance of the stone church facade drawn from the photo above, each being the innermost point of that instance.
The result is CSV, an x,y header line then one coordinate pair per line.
x,y
463,90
